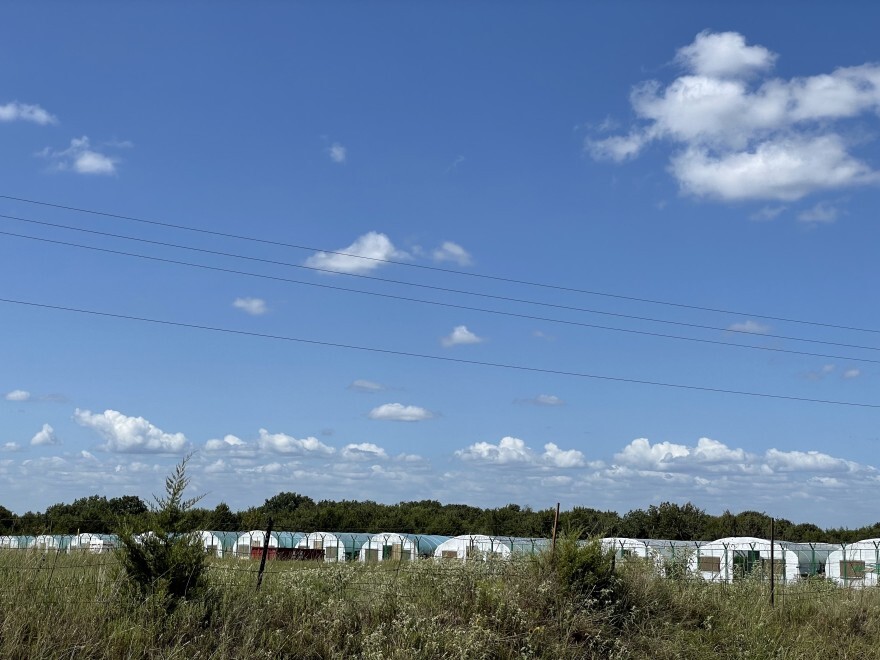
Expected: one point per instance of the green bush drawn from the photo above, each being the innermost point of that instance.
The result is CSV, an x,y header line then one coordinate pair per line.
x,y
167,564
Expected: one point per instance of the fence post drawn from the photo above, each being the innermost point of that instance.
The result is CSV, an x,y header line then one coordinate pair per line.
x,y
265,553
555,525
772,560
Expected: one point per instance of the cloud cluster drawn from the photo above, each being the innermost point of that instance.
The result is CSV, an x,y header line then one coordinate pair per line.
x,y
397,412
16,111
741,139
365,255
82,158
513,451
126,434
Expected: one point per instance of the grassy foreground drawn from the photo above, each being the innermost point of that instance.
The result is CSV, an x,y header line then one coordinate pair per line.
x,y
578,606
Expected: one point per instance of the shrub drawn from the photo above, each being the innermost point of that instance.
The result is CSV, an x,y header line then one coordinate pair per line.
x,y
166,564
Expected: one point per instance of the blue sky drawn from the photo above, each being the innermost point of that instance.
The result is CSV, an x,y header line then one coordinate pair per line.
x,y
714,157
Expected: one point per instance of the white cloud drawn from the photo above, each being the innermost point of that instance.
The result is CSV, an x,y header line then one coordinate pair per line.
x,y
130,434
285,444
252,306
366,254
397,412
337,153
724,54
821,213
807,461
452,252
81,158
543,400
460,335
45,436
849,374
640,453
361,385
510,450
364,451
11,446
819,374
736,140
16,111
18,395
228,442
749,326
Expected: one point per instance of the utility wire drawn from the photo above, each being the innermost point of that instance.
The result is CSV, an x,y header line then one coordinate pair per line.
x,y
433,287
437,303
495,278
425,356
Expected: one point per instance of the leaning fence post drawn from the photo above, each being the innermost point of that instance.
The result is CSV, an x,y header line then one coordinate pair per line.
x,y
772,560
265,553
555,525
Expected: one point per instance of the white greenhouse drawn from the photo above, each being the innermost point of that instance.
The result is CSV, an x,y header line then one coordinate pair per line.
x,y
855,565
246,541
16,542
337,546
219,544
390,546
96,543
812,557
728,559
481,546
52,543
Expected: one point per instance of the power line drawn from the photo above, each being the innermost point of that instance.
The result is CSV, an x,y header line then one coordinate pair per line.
x,y
496,278
439,358
438,303
432,287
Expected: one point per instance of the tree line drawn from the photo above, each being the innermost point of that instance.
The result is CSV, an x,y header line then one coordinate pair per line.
x,y
296,512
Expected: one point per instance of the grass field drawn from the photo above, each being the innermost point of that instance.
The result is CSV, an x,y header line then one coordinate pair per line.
x,y
576,606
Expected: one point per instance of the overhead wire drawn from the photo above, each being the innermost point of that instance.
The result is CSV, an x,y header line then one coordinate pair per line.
x,y
438,303
438,358
435,287
496,278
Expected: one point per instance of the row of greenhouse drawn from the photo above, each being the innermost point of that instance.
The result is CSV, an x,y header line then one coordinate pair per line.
x,y
722,560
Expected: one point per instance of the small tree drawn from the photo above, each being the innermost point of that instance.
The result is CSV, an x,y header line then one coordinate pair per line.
x,y
167,562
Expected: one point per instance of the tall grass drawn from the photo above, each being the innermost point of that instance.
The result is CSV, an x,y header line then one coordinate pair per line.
x,y
572,606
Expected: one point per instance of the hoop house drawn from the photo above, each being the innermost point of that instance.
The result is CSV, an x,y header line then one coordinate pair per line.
x,y
337,546
16,542
732,558
855,565
256,538
812,557
481,546
390,546
94,542
52,542
219,544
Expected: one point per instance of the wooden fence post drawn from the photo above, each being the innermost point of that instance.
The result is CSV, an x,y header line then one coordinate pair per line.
x,y
265,553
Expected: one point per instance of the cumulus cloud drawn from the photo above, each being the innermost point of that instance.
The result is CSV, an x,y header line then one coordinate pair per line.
x,y
749,326
460,335
368,386
337,153
45,436
252,306
736,138
364,451
510,450
452,252
130,434
16,111
397,412
228,442
286,444
18,395
365,255
81,158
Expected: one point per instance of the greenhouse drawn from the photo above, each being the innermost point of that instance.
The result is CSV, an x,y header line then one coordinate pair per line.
x,y
16,542
337,546
52,542
854,565
733,558
246,542
480,546
219,544
812,557
93,542
391,546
